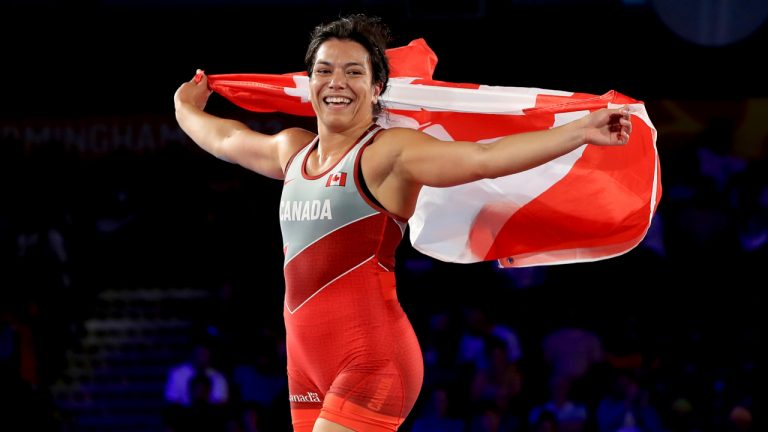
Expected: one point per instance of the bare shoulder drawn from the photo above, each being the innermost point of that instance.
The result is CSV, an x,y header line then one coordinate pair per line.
x,y
398,137
292,139
390,146
289,141
295,137
400,132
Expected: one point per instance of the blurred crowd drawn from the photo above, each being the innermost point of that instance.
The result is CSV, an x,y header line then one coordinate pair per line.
x,y
663,338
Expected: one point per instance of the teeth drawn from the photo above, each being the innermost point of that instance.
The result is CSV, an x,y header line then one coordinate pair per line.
x,y
337,99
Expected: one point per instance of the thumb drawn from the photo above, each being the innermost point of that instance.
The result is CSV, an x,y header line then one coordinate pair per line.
x,y
199,75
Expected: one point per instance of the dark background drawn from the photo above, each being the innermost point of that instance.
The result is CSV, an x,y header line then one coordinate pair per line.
x,y
110,57
90,148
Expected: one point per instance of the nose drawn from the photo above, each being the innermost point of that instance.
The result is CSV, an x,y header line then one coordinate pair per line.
x,y
338,79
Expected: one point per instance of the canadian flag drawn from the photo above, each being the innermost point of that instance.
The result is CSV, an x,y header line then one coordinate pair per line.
x,y
590,204
336,179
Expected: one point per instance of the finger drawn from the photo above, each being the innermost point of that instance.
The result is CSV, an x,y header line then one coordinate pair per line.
x,y
625,112
626,127
625,119
199,76
623,137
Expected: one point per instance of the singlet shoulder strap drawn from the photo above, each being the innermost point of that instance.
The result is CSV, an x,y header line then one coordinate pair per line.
x,y
299,154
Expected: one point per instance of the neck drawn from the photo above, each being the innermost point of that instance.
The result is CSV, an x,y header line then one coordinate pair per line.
x,y
335,141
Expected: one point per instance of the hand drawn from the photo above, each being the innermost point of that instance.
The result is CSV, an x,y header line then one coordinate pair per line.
x,y
608,127
194,92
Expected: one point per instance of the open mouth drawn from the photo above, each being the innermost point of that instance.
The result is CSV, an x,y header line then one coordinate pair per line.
x,y
337,101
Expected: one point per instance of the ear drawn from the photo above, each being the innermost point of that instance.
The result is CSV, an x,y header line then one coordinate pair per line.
x,y
376,93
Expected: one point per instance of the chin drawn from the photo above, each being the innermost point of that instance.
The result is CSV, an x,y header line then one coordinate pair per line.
x,y
335,121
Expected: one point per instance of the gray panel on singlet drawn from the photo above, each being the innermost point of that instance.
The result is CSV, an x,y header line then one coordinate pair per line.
x,y
321,209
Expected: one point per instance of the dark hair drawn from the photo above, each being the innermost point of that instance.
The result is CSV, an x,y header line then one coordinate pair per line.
x,y
370,32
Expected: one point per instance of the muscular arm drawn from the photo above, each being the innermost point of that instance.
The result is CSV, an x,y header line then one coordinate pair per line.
x,y
436,163
231,140
409,159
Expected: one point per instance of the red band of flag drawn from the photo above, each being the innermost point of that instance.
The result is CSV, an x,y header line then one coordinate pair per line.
x,y
590,204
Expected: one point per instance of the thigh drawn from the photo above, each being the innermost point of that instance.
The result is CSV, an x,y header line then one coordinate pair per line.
x,y
305,399
304,419
372,395
323,425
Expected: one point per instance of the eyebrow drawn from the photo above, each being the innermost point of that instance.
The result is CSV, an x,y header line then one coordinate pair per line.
x,y
327,63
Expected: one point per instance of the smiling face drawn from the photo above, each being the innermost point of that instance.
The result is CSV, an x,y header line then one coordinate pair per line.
x,y
340,85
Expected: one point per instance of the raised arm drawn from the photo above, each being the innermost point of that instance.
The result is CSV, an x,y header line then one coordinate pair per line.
x,y
408,159
232,140
431,162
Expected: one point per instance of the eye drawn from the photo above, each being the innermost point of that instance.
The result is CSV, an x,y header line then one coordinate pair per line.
x,y
355,72
322,71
